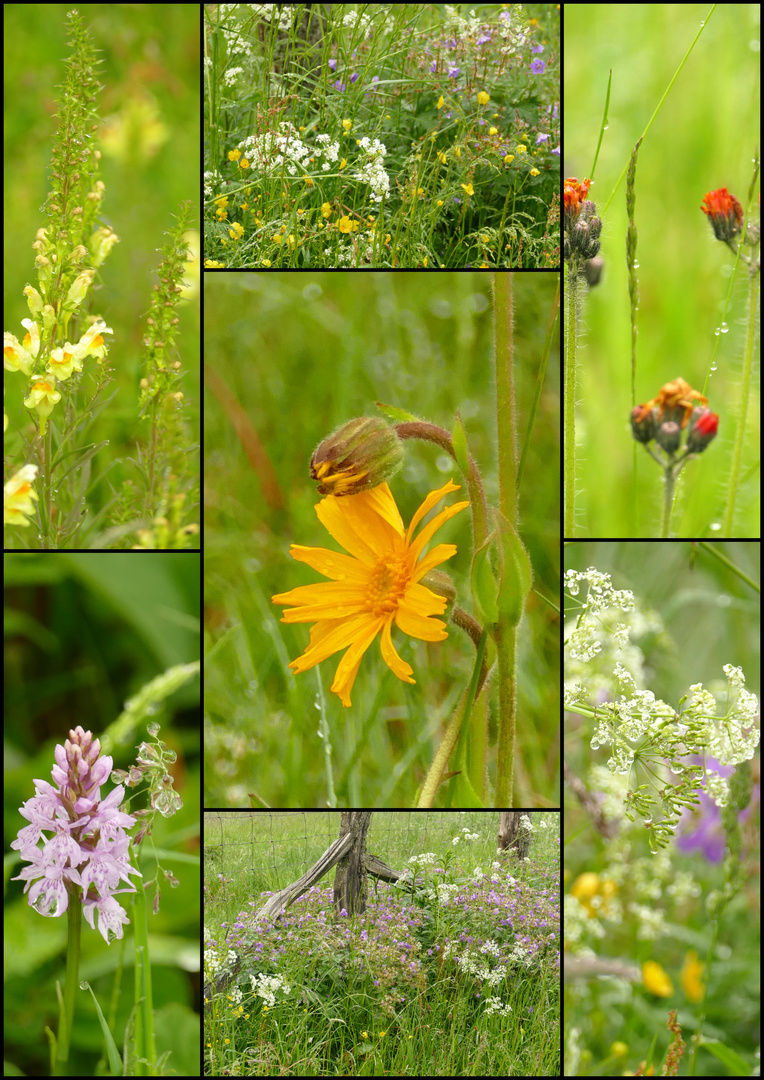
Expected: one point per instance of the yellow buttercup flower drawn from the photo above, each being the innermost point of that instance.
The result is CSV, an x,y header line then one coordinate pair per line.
x,y
376,584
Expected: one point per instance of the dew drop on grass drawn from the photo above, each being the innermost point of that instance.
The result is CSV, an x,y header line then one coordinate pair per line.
x,y
725,328
84,986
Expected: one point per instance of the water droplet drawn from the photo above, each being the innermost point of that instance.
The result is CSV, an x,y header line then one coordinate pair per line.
x,y
47,906
84,986
713,367
153,729
606,126
636,264
716,332
725,328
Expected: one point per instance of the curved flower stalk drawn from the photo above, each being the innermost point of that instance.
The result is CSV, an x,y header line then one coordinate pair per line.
x,y
378,583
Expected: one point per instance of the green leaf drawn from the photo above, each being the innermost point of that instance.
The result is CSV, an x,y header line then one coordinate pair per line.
x,y
516,571
115,1061
484,587
459,439
396,414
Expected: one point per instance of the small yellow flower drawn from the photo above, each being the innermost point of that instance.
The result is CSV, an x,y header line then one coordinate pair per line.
x,y
18,496
521,149
469,189
377,584
440,102
656,980
347,124
493,131
535,172
483,98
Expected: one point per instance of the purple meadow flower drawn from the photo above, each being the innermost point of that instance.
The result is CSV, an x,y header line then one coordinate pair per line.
x,y
538,66
87,855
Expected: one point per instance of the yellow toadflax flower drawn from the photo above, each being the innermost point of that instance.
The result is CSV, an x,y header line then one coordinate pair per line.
x,y
376,584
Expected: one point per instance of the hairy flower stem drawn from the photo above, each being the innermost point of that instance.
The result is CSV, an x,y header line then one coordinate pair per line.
x,y
420,429
571,316
66,1018
745,397
505,630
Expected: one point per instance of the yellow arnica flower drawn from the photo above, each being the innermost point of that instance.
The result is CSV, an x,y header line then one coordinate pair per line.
x,y
376,584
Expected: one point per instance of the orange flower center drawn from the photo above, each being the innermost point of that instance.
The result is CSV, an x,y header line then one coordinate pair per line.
x,y
387,584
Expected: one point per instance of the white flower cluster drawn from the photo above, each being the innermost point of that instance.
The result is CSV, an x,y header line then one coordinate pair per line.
x,y
270,152
477,962
266,986
372,170
494,1005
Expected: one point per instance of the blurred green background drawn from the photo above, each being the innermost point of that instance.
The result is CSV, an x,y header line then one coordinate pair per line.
x,y
704,138
150,164
83,633
289,359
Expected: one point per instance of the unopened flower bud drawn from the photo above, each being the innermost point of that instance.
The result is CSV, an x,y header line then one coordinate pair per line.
x,y
668,436
724,212
643,423
361,454
702,431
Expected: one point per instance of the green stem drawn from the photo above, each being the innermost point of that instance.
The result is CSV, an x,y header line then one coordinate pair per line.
x,y
737,450
505,631
668,501
145,1046
74,913
571,301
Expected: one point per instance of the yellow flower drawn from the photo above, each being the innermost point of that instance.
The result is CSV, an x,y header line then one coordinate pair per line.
x,y
376,584
18,496
483,98
656,980
440,102
469,189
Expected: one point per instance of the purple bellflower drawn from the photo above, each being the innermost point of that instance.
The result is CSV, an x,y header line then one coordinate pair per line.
x,y
87,855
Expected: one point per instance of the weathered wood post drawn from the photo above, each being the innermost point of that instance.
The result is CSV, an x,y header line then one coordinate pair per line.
x,y
512,836
350,876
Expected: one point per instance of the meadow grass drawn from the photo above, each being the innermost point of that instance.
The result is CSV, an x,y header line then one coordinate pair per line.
x,y
396,136
404,988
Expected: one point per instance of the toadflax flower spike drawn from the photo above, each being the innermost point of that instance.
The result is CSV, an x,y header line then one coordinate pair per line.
x,y
87,855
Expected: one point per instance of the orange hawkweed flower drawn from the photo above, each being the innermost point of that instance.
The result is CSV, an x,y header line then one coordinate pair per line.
x,y
377,584
676,395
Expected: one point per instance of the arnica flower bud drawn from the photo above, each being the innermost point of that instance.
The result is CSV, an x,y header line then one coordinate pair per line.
x,y
361,454
703,430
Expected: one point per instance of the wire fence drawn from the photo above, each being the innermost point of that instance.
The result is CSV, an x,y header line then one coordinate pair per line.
x,y
277,847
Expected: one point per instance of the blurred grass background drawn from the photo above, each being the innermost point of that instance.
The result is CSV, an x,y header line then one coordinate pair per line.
x,y
150,164
83,633
299,355
703,138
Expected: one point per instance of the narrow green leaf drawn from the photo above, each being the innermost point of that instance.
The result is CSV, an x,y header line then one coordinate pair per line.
x,y
459,439
394,413
115,1061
